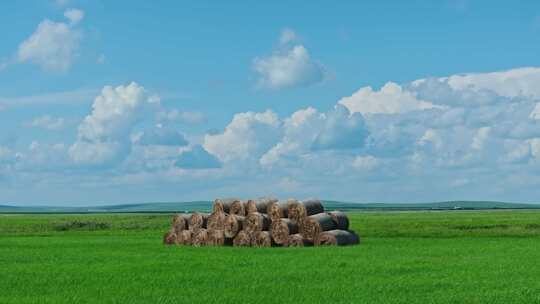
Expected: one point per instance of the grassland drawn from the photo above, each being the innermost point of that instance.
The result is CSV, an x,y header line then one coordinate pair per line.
x,y
405,257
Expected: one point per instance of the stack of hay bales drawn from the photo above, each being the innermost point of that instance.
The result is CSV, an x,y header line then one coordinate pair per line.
x,y
263,222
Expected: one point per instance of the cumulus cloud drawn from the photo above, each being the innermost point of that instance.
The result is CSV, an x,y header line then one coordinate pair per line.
x,y
53,45
175,115
290,65
162,136
103,136
390,99
197,158
247,136
47,122
341,130
365,162
74,15
480,139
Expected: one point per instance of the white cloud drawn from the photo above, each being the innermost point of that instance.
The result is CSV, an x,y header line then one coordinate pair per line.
x,y
480,138
535,114
162,136
458,141
53,46
47,122
341,130
103,136
289,66
300,131
390,99
365,162
74,15
247,136
511,83
191,117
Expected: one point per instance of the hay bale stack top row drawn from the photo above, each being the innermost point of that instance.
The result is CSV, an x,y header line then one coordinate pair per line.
x,y
263,222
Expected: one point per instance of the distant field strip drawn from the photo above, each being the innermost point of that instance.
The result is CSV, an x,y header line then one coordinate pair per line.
x,y
405,257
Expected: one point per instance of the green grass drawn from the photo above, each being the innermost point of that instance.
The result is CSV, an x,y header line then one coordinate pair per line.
x,y
405,257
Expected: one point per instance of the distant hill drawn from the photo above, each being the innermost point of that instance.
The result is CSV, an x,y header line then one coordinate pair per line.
x,y
207,206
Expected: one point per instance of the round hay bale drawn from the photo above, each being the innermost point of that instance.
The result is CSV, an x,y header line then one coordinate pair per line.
x,y
198,221
216,221
233,224
179,223
250,206
278,210
238,207
293,210
281,229
315,224
217,238
341,219
261,239
227,204
186,237
297,240
256,222
299,210
242,239
200,237
337,238
218,206
169,238
259,205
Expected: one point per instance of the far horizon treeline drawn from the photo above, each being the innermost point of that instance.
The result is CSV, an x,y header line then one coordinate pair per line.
x,y
169,207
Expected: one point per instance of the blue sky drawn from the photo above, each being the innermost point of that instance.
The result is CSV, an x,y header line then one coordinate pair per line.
x,y
104,102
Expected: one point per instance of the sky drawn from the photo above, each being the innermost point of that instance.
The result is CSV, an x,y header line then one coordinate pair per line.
x,y
102,102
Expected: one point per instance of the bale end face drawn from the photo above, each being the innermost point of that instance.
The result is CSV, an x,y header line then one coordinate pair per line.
x,y
261,239
200,237
242,239
169,238
233,224
281,229
297,240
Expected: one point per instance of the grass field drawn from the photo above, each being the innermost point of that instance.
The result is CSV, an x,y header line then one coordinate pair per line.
x,y
405,257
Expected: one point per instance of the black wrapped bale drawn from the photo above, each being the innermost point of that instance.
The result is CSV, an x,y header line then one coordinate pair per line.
x,y
337,238
297,240
257,222
281,229
233,224
341,219
313,225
